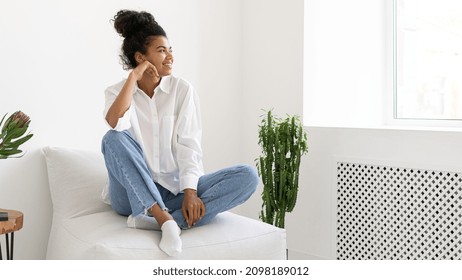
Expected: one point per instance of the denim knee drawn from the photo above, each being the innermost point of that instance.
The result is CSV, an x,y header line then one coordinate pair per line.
x,y
115,139
250,176
114,136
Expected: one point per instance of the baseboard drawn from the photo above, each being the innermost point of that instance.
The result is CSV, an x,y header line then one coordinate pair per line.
x,y
297,255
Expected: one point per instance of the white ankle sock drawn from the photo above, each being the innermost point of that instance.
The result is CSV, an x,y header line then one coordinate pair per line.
x,y
170,242
142,222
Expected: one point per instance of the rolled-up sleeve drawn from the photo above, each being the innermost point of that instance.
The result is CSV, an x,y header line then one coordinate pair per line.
x,y
123,122
188,148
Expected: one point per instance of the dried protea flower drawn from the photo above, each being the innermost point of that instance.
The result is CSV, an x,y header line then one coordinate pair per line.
x,y
21,118
12,132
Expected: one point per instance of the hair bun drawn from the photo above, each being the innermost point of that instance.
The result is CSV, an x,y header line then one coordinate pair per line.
x,y
127,23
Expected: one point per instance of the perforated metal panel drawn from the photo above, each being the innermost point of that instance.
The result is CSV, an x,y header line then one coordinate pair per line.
x,y
398,213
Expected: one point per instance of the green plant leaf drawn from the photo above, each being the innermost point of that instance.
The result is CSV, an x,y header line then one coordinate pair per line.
x,y
19,141
9,152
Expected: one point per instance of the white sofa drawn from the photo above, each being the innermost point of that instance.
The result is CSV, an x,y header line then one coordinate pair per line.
x,y
84,227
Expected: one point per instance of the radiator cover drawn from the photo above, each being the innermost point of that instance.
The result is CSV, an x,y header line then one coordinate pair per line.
x,y
392,213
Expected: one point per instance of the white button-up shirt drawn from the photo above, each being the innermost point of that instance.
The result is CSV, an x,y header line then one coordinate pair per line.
x,y
168,128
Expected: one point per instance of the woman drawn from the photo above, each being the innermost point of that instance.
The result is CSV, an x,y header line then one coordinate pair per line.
x,y
153,150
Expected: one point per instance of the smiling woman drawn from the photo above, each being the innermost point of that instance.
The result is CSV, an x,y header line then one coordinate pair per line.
x,y
153,150
137,29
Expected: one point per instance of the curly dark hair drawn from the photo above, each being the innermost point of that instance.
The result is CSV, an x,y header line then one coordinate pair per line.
x,y
137,29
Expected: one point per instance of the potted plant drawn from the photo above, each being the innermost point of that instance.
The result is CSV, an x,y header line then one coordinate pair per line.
x,y
11,134
283,143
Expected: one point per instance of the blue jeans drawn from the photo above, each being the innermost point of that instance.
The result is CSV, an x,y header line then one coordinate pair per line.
x,y
132,189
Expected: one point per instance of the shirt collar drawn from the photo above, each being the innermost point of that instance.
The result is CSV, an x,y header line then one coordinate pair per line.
x,y
164,85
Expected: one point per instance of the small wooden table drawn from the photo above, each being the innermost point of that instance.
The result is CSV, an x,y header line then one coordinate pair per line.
x,y
14,223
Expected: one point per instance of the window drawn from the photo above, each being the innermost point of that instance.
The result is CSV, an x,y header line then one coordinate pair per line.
x,y
428,59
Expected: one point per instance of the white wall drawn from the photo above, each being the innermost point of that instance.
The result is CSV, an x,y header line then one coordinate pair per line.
x,y
57,58
219,85
272,77
347,73
272,71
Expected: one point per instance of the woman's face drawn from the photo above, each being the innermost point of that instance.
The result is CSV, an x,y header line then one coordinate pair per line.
x,y
159,53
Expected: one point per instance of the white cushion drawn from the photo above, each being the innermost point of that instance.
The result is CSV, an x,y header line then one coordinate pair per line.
x,y
86,228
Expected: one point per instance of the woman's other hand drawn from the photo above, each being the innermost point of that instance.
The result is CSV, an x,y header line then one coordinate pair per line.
x,y
193,207
146,68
